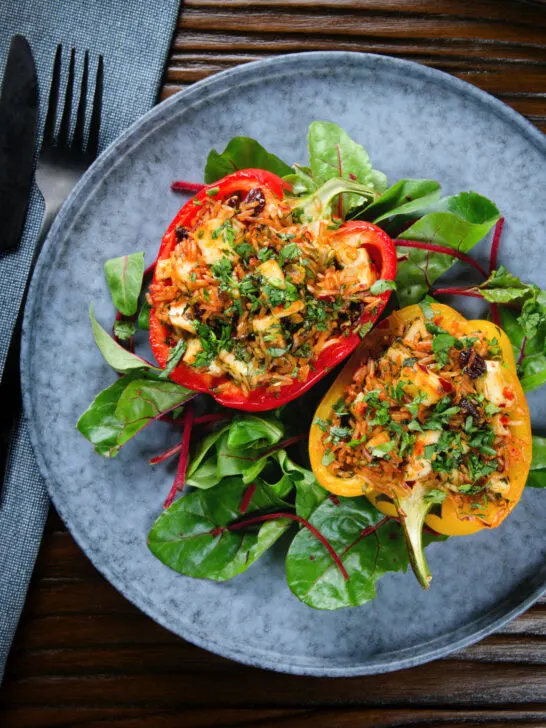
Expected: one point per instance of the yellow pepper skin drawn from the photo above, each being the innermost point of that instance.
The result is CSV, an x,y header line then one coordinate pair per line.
x,y
456,519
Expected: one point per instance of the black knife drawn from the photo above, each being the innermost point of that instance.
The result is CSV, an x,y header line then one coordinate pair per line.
x,y
18,122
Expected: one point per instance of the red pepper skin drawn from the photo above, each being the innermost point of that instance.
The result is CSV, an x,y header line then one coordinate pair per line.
x,y
378,245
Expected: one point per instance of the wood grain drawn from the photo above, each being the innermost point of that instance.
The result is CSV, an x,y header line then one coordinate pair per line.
x,y
83,655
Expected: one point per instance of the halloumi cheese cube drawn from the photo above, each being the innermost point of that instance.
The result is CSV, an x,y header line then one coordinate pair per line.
x,y
180,319
272,271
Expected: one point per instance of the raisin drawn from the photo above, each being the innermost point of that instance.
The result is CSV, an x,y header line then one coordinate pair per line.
x,y
257,198
469,408
234,200
181,232
474,365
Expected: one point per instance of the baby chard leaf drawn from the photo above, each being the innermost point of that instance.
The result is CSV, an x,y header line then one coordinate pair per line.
x,y
124,277
528,352
457,222
143,320
332,154
407,196
254,431
537,474
120,359
190,536
242,153
99,423
368,544
143,401
126,407
367,554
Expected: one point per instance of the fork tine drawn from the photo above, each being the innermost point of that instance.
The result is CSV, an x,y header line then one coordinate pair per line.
x,y
94,127
77,140
64,129
49,127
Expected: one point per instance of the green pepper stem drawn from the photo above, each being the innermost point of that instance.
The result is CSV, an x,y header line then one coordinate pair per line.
x,y
412,511
317,204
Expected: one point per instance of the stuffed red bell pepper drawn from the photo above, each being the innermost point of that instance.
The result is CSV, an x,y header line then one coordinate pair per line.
x,y
257,294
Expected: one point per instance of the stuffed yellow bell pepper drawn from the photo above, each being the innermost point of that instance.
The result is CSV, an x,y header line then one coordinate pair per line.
x,y
429,421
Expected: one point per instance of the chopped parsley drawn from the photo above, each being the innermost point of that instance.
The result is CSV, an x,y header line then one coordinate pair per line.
x,y
382,450
427,310
245,250
222,269
303,351
435,495
227,231
337,434
328,457
442,342
479,468
265,254
124,329
291,251
322,424
382,285
277,351
339,407
364,329
175,355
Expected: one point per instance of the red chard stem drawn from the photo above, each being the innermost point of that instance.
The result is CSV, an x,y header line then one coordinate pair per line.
x,y
493,255
431,247
183,186
165,455
457,292
180,479
292,516
247,497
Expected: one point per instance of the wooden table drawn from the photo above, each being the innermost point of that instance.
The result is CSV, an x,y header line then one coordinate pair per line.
x,y
83,655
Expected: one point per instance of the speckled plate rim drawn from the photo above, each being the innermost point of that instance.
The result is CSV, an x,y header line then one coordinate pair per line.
x,y
150,123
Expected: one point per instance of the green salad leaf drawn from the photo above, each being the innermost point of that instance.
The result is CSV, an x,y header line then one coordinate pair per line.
x,y
99,423
503,287
537,474
246,447
368,545
532,364
457,222
124,277
123,409
190,536
143,401
406,197
242,153
116,356
301,180
312,574
332,153
143,320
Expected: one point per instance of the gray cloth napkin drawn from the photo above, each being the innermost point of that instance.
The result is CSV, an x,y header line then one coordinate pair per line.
x,y
133,37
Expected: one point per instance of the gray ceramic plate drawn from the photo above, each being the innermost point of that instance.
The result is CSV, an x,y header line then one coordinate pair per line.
x,y
415,122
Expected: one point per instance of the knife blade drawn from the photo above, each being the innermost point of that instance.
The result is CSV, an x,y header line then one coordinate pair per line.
x,y
18,123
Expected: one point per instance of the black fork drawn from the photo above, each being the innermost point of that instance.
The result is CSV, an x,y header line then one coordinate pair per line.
x,y
62,159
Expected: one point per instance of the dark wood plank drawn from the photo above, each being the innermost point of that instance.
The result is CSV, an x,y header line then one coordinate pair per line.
x,y
84,656
461,684
338,717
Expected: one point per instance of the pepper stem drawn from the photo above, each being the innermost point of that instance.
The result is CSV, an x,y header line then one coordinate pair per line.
x,y
317,204
412,511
